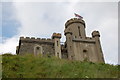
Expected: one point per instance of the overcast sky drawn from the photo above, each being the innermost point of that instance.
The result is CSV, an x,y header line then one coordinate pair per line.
x,y
41,19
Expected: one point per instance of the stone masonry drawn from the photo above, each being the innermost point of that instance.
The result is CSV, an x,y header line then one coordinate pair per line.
x,y
76,47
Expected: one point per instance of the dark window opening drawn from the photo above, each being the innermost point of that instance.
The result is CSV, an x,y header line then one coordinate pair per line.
x,y
38,48
75,37
79,30
57,54
65,51
72,57
84,50
57,43
69,38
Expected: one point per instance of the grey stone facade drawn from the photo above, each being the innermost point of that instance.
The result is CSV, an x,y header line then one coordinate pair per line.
x,y
76,47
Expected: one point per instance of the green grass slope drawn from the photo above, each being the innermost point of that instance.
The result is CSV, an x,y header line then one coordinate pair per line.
x,y
30,66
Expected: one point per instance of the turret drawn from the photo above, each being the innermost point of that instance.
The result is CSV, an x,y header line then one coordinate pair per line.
x,y
74,29
75,26
96,35
69,45
56,37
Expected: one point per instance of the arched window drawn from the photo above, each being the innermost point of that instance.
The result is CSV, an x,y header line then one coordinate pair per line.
x,y
38,50
86,56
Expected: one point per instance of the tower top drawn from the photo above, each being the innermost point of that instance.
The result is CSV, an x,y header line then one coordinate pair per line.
x,y
56,35
74,20
95,33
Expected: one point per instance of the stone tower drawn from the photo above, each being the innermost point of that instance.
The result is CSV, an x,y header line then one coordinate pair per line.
x,y
57,46
80,47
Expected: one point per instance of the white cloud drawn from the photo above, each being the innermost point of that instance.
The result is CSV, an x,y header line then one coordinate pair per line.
x,y
37,18
9,45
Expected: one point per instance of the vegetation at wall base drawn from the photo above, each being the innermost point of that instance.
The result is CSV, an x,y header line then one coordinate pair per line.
x,y
30,66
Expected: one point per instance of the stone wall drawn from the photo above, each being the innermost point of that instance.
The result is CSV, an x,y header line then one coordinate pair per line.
x,y
85,51
29,45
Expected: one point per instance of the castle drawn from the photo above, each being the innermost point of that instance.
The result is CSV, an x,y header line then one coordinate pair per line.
x,y
76,47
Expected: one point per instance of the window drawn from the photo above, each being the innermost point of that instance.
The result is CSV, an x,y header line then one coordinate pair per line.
x,y
69,38
37,48
79,30
84,50
75,37
57,43
65,51
57,54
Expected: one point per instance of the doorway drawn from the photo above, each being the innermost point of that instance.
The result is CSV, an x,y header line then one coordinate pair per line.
x,y
37,49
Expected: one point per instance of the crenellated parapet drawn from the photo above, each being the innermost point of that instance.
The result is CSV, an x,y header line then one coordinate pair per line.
x,y
33,39
89,38
86,39
95,34
74,20
56,35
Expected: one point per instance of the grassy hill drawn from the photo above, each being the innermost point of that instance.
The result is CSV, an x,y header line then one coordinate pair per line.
x,y
30,66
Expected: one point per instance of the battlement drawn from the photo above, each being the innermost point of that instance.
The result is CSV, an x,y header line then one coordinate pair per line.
x,y
74,20
56,35
33,39
86,39
95,33
89,38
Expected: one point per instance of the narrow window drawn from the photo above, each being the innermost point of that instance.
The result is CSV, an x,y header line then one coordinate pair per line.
x,y
79,30
57,54
57,43
69,38
75,37
72,57
85,55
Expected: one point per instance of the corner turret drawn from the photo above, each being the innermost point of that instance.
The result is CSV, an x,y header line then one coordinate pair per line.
x,y
95,33
56,37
